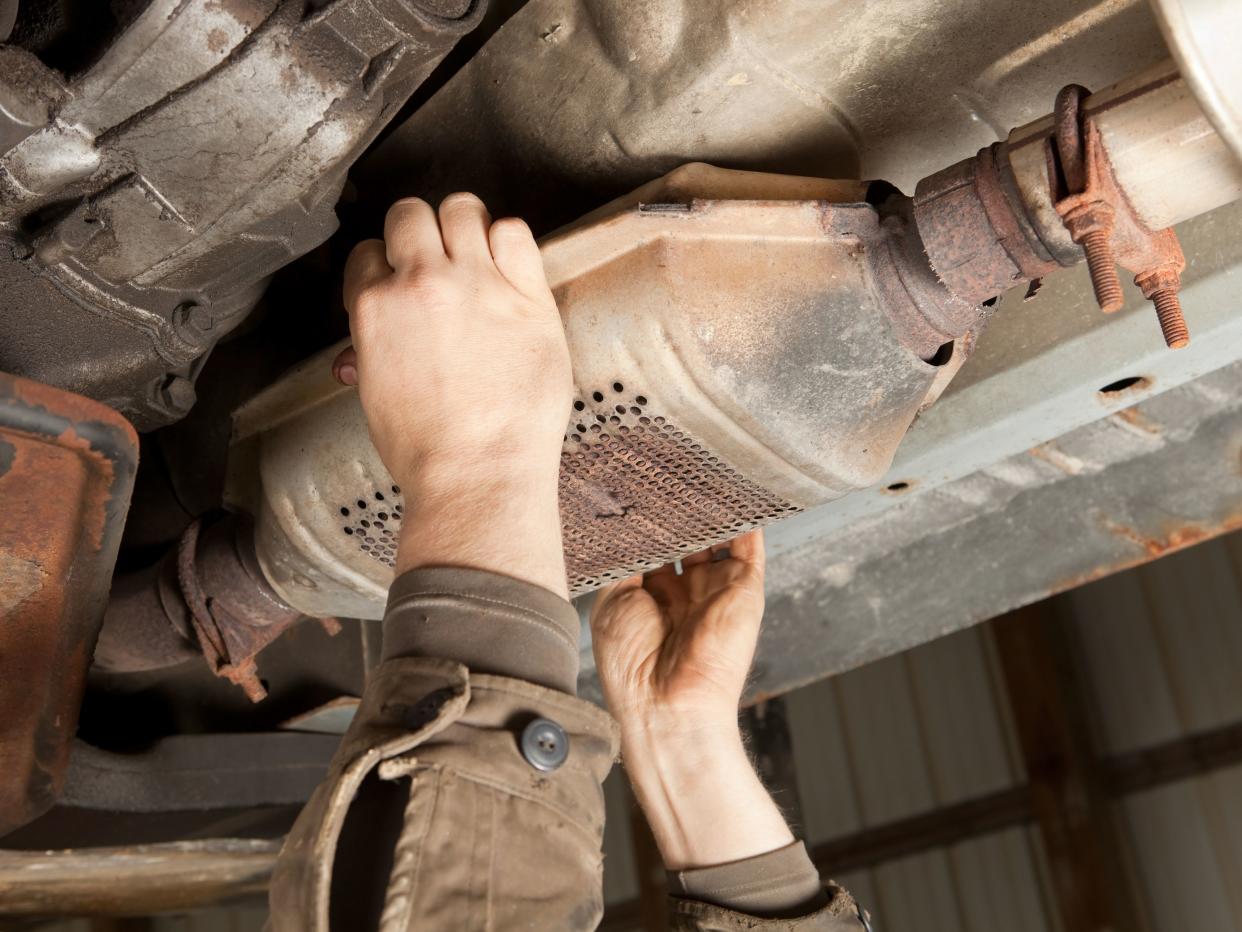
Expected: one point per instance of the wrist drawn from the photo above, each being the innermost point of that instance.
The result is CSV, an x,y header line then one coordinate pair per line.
x,y
700,793
503,520
447,476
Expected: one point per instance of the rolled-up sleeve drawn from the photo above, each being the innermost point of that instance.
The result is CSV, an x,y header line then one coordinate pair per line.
x,y
778,890
488,622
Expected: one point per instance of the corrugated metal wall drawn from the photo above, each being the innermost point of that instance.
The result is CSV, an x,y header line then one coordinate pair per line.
x,y
1161,649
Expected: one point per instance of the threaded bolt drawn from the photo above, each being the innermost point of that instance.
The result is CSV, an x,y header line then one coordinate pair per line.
x,y
1169,313
1102,265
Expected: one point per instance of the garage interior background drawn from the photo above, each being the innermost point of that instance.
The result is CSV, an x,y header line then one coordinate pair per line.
x,y
991,779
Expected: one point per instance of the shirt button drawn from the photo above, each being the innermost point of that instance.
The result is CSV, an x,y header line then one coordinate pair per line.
x,y
545,744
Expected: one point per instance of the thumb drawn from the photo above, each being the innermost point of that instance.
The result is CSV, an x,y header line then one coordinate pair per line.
x,y
605,600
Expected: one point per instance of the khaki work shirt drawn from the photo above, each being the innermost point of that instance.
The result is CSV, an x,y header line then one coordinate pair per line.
x,y
439,813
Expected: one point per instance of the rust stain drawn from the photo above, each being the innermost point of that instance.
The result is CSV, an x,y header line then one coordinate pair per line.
x,y
61,499
1176,538
217,40
1070,465
1135,418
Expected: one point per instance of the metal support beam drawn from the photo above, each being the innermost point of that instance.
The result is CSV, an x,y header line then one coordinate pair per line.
x,y
1086,853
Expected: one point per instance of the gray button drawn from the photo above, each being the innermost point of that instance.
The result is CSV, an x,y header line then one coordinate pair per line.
x,y
545,744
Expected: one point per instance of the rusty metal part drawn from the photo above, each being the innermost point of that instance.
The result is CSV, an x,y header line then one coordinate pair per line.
x,y
66,472
975,229
1084,211
1164,184
1100,219
1160,287
206,598
637,492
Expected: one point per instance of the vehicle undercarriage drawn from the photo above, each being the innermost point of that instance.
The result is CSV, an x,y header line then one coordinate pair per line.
x,y
847,269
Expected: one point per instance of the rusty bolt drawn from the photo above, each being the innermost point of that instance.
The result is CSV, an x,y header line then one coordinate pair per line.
x,y
1090,225
1160,286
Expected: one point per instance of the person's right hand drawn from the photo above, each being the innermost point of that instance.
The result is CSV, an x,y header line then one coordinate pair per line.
x,y
681,645
672,653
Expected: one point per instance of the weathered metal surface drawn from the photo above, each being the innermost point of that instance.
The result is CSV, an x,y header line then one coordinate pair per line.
x,y
66,471
975,228
1096,501
736,360
207,598
1050,195
573,103
146,201
137,880
997,483
1204,39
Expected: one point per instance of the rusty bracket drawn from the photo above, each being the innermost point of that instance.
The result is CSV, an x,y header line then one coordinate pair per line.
x,y
1098,218
67,468
232,610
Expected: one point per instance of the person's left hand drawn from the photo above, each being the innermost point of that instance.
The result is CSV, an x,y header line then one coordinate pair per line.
x,y
461,363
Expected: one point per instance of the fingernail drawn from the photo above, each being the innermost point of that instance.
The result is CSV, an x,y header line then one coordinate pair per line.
x,y
347,375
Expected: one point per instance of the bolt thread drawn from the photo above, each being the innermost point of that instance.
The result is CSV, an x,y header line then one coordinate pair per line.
x,y
1172,324
1103,268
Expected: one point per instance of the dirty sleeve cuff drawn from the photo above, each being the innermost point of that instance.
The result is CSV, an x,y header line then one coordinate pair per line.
x,y
781,884
489,622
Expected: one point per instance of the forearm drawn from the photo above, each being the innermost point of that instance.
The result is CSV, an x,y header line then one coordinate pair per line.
x,y
699,791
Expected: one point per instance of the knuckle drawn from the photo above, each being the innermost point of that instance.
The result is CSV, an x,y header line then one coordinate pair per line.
x,y
460,200
403,205
367,301
512,228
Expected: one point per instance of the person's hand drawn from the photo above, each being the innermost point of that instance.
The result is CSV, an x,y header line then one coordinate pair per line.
x,y
680,646
461,363
672,653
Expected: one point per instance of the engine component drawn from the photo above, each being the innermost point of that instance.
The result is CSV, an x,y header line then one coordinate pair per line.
x,y
66,471
146,202
745,346
206,599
